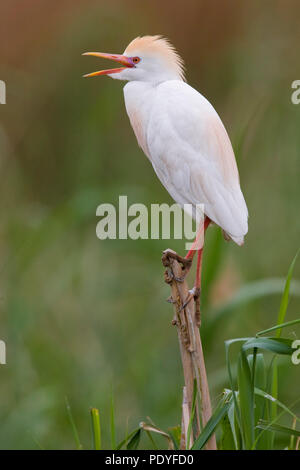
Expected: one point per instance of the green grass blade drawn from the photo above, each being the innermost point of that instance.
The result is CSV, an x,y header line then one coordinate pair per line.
x,y
257,367
262,408
274,393
278,417
175,434
285,296
127,438
266,396
154,445
213,422
245,388
281,317
192,414
275,345
244,409
292,438
96,428
135,440
229,343
112,424
278,428
73,425
276,327
227,441
234,426
260,372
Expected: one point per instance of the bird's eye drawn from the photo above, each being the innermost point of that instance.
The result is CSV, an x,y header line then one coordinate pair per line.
x,y
136,60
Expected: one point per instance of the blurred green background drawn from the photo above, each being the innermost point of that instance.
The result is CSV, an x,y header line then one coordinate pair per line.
x,y
83,318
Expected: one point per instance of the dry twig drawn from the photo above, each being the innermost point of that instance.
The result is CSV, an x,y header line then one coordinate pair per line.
x,y
191,352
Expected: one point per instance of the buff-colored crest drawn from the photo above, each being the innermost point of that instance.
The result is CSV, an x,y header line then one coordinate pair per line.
x,y
160,46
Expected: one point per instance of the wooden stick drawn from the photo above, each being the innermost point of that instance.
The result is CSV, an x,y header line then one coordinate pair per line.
x,y
190,346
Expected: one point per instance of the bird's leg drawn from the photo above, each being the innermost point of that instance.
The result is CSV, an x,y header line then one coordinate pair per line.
x,y
193,249
186,261
194,293
201,233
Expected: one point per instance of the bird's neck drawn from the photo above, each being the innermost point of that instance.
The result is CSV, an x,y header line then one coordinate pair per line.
x,y
139,98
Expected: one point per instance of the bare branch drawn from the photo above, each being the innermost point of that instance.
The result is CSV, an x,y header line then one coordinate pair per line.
x,y
191,351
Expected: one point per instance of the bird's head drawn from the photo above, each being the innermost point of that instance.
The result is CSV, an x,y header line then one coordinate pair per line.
x,y
147,58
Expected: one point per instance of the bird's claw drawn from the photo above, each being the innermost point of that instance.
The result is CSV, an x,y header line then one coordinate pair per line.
x,y
185,262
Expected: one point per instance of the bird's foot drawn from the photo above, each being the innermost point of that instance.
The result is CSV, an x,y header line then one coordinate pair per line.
x,y
185,262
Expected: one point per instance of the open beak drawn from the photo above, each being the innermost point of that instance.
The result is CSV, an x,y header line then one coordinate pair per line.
x,y
121,59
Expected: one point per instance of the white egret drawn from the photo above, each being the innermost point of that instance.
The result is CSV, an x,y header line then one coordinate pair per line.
x,y
183,137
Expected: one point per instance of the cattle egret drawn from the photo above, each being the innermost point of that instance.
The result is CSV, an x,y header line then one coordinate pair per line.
x,y
183,137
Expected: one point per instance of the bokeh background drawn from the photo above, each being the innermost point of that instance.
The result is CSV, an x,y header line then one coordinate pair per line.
x,y
86,319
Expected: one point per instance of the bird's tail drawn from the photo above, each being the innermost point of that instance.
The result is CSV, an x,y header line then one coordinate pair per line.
x,y
238,240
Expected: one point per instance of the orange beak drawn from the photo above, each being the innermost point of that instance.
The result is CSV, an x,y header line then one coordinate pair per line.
x,y
121,59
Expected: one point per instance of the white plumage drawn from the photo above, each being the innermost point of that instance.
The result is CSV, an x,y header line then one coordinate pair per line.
x,y
187,144
181,133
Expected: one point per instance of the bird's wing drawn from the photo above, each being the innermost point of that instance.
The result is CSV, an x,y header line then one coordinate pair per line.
x,y
193,157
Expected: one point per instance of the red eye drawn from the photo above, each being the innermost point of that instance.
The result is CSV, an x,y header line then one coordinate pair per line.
x,y
136,60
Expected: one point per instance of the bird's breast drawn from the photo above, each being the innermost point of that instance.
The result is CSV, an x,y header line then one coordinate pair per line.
x,y
139,98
